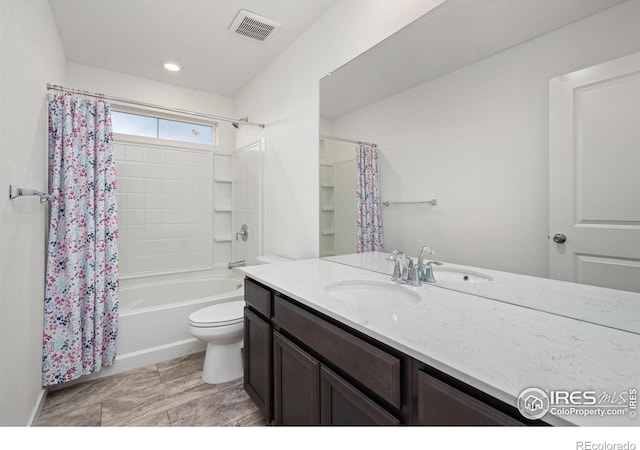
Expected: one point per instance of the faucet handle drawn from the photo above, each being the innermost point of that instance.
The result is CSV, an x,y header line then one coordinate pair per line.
x,y
393,256
400,267
426,251
397,271
425,271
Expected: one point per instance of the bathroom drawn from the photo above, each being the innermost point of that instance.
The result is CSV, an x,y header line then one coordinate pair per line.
x,y
284,95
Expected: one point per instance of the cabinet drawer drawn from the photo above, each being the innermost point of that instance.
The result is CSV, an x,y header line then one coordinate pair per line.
x,y
370,366
257,297
440,404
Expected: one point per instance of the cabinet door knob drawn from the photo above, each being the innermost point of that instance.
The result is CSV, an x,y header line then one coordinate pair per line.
x,y
559,238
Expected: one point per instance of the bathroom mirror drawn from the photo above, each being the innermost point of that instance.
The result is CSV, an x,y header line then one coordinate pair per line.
x,y
459,105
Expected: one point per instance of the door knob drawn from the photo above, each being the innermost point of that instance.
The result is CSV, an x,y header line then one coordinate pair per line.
x,y
559,238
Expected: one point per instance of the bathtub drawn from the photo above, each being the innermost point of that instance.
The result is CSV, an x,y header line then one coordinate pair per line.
x,y
153,324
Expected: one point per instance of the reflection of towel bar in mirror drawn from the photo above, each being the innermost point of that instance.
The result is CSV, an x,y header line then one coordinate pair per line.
x,y
431,202
15,192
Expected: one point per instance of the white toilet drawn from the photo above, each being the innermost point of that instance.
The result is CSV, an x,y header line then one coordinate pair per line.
x,y
221,326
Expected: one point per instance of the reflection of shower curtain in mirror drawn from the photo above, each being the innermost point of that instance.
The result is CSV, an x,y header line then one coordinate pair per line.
x,y
368,217
81,292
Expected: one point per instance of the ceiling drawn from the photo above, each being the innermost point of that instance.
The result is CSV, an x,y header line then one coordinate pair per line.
x,y
455,34
137,37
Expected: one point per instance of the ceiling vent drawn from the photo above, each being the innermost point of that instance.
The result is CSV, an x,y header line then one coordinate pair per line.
x,y
253,26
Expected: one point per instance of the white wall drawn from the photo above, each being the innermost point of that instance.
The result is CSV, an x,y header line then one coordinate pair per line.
x,y
130,87
477,140
285,96
31,55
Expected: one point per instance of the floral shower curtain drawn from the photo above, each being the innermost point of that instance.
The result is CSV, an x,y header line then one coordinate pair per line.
x,y
368,217
81,293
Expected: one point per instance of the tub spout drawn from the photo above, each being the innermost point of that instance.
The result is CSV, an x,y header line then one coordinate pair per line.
x,y
233,265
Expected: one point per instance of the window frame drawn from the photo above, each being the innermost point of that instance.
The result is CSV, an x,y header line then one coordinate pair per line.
x,y
154,113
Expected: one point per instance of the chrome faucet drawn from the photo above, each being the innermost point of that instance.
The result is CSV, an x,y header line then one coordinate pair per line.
x,y
233,265
404,271
425,269
243,233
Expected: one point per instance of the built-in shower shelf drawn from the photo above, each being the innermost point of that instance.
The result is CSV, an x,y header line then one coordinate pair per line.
x,y
223,179
225,210
223,238
328,209
328,186
328,232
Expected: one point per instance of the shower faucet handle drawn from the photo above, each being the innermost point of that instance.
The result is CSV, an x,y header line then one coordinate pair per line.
x,y
243,233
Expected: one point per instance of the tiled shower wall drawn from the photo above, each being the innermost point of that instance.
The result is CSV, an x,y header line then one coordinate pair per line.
x,y
338,177
165,209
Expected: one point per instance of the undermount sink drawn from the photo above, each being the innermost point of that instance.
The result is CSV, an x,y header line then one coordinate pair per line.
x,y
458,275
372,293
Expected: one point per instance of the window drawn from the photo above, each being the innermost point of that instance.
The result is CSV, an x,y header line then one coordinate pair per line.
x,y
161,128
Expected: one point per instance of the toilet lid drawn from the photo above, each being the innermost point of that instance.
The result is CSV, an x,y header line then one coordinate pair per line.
x,y
218,315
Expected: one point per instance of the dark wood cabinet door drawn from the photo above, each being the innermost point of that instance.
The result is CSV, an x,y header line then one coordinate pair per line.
x,y
257,362
296,389
374,368
343,404
440,404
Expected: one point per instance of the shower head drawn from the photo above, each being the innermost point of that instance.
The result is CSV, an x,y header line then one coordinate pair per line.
x,y
236,124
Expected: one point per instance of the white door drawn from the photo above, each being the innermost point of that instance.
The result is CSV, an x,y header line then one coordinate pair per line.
x,y
595,175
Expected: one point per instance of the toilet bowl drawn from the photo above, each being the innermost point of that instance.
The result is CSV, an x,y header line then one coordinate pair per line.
x,y
221,326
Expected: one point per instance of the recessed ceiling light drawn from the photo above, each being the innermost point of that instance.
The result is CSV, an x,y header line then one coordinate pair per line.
x,y
173,67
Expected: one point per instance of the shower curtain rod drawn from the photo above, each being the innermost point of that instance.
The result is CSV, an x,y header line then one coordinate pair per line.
x,y
324,136
151,105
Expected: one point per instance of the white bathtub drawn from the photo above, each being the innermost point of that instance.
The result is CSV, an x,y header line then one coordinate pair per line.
x,y
154,313
141,298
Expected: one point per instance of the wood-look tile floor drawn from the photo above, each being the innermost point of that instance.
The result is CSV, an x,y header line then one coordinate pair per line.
x,y
169,393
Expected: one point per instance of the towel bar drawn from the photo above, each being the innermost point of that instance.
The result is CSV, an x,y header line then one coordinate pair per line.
x,y
15,192
432,202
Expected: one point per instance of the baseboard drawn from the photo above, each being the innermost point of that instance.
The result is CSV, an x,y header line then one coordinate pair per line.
x,y
37,408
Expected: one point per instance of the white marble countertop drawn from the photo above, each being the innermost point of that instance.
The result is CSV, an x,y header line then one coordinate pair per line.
x,y
494,346
609,307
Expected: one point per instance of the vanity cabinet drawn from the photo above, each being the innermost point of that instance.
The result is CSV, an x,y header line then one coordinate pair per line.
x,y
305,368
441,404
308,392
257,353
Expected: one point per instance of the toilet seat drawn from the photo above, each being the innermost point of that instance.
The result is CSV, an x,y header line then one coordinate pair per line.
x,y
219,315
